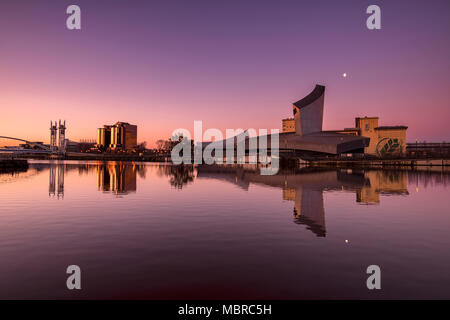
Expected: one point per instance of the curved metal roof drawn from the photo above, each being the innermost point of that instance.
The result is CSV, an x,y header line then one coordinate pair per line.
x,y
310,98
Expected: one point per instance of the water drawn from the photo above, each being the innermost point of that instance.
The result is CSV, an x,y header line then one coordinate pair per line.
x,y
150,231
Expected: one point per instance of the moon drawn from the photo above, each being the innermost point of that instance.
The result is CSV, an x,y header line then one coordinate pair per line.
x,y
344,75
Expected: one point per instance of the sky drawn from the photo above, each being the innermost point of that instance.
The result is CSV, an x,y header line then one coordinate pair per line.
x,y
232,64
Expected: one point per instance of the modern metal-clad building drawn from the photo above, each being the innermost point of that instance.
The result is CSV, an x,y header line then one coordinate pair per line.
x,y
119,136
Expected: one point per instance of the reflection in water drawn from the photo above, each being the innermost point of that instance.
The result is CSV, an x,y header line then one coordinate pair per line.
x,y
179,176
114,177
382,182
56,171
232,229
117,178
305,188
9,175
429,178
308,209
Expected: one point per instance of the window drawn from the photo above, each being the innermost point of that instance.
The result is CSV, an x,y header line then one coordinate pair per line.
x,y
367,127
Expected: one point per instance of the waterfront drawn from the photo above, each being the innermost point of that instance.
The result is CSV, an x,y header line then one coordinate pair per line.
x,y
149,230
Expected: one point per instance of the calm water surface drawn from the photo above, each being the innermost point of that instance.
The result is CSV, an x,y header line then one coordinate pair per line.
x,y
156,231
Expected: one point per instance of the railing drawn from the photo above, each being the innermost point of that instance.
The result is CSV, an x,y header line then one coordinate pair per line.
x,y
428,149
427,145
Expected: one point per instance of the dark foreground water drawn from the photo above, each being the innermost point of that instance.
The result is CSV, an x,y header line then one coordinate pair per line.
x,y
155,231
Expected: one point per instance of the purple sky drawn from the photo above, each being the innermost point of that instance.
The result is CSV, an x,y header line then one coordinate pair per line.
x,y
233,64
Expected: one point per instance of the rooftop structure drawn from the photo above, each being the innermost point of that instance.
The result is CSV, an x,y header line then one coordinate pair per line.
x,y
288,125
308,112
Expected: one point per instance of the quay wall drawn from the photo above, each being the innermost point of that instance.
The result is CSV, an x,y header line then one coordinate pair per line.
x,y
380,163
13,164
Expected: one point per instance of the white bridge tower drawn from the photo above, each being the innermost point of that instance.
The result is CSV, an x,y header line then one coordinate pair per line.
x,y
58,136
62,136
53,134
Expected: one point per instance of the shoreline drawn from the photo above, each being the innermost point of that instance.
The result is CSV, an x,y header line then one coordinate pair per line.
x,y
6,164
382,163
22,162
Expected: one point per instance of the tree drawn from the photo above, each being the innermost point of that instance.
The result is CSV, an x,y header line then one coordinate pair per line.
x,y
167,145
160,144
141,147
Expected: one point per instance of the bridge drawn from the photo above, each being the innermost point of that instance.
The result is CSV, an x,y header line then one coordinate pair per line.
x,y
43,149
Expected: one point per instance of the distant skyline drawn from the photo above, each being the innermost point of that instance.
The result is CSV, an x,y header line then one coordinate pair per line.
x,y
232,64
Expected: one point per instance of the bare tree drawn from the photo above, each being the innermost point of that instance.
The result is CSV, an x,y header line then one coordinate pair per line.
x,y
160,144
141,146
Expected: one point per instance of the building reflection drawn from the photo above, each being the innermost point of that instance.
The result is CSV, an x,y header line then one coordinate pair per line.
x,y
112,177
305,188
382,182
56,181
117,178
308,208
179,176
